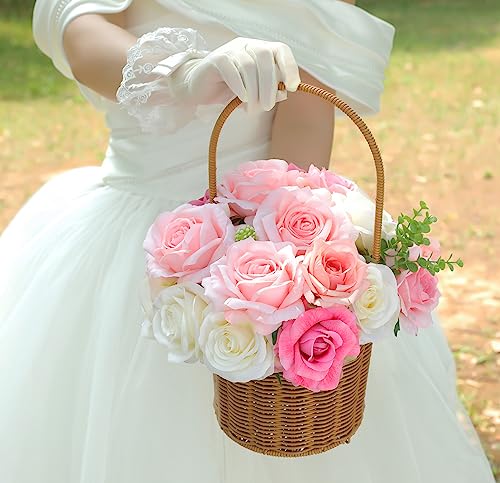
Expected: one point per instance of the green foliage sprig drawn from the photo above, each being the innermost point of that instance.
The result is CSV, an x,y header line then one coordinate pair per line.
x,y
410,231
246,232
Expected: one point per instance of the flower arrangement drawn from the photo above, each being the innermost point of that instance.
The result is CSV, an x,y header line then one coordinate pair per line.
x,y
278,276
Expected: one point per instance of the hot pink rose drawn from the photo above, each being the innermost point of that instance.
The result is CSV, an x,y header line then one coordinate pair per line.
x,y
312,348
184,242
245,188
419,296
334,273
321,178
300,216
257,281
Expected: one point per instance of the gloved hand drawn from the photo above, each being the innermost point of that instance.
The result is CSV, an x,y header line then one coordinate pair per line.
x,y
247,68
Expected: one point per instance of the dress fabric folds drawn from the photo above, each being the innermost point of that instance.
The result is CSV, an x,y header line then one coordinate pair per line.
x,y
85,399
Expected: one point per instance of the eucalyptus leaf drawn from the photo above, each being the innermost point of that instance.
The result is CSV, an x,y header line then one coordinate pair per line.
x,y
413,267
278,376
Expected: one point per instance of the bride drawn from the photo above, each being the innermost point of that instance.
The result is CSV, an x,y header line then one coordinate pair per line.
x,y
85,399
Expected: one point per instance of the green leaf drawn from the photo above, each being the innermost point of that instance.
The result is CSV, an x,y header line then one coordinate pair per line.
x,y
397,328
278,376
422,262
244,233
412,267
460,263
275,336
423,205
442,264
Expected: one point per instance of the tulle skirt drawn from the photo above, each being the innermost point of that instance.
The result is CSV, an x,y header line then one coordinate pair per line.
x,y
84,399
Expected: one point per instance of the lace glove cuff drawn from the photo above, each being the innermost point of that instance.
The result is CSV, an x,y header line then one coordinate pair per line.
x,y
145,89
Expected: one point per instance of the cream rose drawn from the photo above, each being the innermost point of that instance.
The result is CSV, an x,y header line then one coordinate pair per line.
x,y
179,311
361,210
148,291
235,352
377,308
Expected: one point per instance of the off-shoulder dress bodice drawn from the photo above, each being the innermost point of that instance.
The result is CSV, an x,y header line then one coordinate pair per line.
x,y
145,162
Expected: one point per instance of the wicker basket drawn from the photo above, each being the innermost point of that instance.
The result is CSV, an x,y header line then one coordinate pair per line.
x,y
276,418
284,420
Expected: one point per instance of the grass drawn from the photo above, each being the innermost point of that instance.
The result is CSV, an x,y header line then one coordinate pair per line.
x,y
439,132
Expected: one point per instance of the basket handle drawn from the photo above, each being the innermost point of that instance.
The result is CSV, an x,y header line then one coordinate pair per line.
x,y
360,124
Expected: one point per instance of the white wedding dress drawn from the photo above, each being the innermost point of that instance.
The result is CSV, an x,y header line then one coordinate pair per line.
x,y
85,399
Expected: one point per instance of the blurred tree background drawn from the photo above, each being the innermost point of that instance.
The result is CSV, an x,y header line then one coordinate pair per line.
x,y
439,132
16,8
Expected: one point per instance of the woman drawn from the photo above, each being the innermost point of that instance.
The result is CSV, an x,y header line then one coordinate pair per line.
x,y
84,398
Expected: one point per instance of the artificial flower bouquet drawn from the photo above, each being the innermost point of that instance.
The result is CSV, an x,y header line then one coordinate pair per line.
x,y
277,276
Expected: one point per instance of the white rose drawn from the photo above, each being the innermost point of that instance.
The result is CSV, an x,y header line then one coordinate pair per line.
x,y
235,352
148,290
179,312
361,209
377,308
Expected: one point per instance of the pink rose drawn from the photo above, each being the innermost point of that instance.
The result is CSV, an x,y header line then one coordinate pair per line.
x,y
300,216
419,296
294,167
245,188
184,242
334,273
257,281
433,250
202,200
312,348
321,178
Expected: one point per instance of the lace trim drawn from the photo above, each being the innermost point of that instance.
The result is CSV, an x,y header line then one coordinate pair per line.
x,y
145,93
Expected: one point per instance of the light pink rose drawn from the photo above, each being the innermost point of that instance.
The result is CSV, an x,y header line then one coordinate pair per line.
x,y
300,216
246,187
294,167
433,250
312,348
321,178
419,296
257,281
184,242
334,273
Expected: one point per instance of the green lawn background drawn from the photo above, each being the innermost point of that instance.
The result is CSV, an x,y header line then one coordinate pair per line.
x,y
439,131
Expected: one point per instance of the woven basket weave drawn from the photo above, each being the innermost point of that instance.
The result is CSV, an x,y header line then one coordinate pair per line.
x,y
283,420
276,418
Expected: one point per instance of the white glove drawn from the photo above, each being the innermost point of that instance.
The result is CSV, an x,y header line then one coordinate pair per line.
x,y
247,68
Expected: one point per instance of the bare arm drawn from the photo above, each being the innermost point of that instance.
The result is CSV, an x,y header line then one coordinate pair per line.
x,y
303,127
96,48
